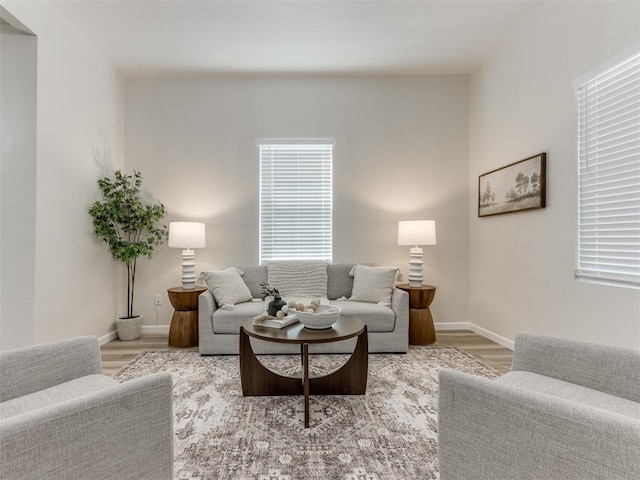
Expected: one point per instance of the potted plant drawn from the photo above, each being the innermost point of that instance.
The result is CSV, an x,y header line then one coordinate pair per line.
x,y
128,224
277,303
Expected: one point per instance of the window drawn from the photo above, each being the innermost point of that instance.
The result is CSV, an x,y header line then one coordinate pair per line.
x,y
608,109
295,201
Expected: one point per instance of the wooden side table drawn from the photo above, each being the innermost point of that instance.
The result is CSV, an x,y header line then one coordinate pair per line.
x,y
184,323
421,329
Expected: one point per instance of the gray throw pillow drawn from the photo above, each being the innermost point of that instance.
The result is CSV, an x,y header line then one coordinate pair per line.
x,y
227,287
373,284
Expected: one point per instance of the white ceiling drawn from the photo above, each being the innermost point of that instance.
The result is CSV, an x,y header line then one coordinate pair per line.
x,y
163,37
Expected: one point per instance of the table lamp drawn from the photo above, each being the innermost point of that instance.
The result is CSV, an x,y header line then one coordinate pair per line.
x,y
187,235
416,232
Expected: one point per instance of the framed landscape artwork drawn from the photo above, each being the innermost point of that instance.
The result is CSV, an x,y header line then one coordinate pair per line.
x,y
513,188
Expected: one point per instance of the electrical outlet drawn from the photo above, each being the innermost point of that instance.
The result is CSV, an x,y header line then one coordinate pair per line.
x,y
158,299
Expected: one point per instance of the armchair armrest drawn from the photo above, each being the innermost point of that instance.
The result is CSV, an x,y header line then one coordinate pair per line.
x,y
605,368
124,432
30,369
489,430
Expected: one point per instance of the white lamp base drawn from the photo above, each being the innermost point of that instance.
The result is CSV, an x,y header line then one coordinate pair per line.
x,y
415,267
188,269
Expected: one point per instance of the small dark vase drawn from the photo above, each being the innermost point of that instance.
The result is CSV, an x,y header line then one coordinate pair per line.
x,y
274,305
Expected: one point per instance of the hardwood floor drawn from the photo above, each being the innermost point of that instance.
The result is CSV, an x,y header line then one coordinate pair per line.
x,y
116,354
488,352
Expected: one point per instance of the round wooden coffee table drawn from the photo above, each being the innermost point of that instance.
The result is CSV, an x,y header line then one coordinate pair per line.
x,y
350,379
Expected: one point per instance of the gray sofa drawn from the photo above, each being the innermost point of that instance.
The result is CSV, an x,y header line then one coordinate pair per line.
x,y
388,328
61,418
568,410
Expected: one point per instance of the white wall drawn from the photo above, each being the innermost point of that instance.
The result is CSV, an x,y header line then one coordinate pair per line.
x,y
18,58
521,103
79,116
400,153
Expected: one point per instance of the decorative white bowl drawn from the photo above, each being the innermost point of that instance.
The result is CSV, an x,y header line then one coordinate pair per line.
x,y
324,317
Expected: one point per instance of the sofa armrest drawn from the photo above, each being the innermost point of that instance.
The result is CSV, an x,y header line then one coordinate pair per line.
x,y
489,430
30,369
124,432
605,368
400,306
206,306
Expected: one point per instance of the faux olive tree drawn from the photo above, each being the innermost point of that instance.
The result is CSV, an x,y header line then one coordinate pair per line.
x,y
128,224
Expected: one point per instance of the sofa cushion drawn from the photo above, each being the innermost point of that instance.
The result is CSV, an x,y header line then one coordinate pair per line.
x,y
339,282
569,391
373,284
377,318
57,394
227,286
253,276
298,279
229,321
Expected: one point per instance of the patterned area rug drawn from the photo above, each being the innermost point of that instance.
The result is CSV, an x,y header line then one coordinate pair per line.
x,y
389,433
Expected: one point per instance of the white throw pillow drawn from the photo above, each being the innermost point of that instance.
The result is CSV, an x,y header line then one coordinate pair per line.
x,y
373,284
227,287
298,279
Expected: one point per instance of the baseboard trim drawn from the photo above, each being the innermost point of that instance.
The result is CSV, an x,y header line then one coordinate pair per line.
x,y
151,329
500,340
107,338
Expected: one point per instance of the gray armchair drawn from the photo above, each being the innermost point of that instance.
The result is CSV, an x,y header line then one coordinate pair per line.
x,y
567,410
61,418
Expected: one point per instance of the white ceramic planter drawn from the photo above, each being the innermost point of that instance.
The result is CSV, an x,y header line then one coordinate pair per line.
x,y
129,328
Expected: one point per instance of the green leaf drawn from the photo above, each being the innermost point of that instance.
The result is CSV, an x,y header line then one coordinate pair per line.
x,y
126,224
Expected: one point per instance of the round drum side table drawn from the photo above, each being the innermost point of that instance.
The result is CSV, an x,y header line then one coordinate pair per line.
x,y
184,323
421,328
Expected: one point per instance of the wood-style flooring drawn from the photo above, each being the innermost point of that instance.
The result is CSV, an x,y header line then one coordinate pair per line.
x,y
488,352
116,354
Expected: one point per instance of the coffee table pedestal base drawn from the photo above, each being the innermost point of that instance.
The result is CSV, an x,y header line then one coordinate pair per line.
x,y
350,379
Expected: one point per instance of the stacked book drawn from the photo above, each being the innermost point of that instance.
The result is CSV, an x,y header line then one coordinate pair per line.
x,y
274,322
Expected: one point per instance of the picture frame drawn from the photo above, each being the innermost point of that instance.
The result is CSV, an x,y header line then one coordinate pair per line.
x,y
513,188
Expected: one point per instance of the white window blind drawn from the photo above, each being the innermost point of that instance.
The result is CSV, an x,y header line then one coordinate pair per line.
x,y
295,201
608,108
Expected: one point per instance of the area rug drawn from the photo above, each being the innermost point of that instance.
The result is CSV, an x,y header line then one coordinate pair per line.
x,y
389,433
